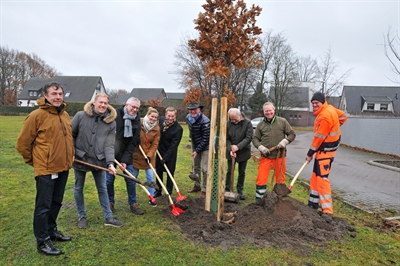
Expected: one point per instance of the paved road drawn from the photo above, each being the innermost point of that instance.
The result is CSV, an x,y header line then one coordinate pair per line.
x,y
366,186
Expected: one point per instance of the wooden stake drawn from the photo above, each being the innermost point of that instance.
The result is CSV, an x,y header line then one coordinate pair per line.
x,y
222,158
211,147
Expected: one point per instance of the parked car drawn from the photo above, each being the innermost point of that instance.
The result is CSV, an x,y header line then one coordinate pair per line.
x,y
255,121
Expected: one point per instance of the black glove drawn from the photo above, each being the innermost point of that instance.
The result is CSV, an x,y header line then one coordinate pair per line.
x,y
162,162
148,160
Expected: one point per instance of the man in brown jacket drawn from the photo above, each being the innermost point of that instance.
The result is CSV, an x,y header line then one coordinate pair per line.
x,y
45,142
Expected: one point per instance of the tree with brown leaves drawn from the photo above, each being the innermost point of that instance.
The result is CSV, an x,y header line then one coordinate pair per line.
x,y
227,37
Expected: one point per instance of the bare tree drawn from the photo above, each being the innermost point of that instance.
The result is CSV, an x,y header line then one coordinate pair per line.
x,y
331,84
16,68
391,45
307,69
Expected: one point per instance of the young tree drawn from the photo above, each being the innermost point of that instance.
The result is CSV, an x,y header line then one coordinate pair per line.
x,y
227,37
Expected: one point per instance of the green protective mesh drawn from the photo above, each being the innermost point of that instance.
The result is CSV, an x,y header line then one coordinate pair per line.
x,y
214,192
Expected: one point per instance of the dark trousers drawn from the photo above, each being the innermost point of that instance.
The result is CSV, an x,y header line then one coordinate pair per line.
x,y
242,174
169,186
49,196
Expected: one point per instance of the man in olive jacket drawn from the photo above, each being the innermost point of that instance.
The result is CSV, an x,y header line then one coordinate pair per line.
x,y
45,142
239,133
270,132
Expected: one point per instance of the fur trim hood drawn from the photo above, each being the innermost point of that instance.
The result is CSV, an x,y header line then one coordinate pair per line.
x,y
111,116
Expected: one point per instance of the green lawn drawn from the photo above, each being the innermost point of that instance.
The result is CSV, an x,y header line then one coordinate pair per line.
x,y
151,239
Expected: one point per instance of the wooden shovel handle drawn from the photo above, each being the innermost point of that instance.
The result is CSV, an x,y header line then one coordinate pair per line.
x,y
297,174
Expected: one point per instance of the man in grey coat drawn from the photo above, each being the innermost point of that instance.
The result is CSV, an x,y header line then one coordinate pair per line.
x,y
93,132
239,133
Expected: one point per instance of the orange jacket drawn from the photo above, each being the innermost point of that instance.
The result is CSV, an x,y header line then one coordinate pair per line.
x,y
327,129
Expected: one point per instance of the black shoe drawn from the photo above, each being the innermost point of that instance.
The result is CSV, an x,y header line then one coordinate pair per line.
x,y
59,236
157,194
242,197
48,248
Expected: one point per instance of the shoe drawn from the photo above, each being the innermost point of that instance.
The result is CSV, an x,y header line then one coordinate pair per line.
x,y
152,204
242,197
327,217
59,236
194,189
136,210
112,206
202,195
48,248
113,222
157,194
82,223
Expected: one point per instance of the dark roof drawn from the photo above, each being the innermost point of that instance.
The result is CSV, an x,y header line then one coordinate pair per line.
x,y
353,97
295,97
81,88
176,95
145,94
333,100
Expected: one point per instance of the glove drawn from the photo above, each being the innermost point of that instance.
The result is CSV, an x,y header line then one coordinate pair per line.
x,y
162,162
148,160
263,150
283,144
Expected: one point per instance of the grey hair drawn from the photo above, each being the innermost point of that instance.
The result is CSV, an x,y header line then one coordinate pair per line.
x,y
131,99
234,109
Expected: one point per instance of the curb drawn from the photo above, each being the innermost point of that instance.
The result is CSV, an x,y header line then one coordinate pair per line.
x,y
396,169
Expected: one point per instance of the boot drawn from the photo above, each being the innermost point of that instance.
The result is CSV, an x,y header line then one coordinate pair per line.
x,y
194,189
260,191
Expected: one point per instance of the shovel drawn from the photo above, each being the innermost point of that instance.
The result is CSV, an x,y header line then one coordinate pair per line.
x,y
194,176
297,175
230,195
152,184
132,177
280,188
176,211
180,197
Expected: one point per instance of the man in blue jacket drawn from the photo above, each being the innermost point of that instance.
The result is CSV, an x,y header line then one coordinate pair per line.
x,y
199,130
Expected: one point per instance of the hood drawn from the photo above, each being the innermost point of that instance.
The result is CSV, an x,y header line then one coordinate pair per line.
x,y
111,116
45,105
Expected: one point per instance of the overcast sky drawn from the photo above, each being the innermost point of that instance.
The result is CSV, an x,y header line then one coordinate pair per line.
x,y
131,44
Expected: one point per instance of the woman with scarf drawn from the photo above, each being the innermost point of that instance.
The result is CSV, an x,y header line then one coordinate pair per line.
x,y
171,135
149,139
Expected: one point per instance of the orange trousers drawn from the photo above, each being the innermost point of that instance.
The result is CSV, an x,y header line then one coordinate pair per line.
x,y
264,167
320,186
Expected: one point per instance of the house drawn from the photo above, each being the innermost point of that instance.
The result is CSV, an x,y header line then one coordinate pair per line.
x,y
144,95
76,89
370,101
174,99
296,104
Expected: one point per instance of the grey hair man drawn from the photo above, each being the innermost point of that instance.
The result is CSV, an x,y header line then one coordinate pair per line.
x,y
239,133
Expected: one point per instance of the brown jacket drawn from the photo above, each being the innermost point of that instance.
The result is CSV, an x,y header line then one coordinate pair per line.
x,y
45,140
149,143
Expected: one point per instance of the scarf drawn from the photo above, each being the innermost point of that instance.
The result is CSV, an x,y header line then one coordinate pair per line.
x,y
128,123
147,124
167,125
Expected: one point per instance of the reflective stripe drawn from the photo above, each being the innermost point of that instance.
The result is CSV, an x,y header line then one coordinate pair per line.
x,y
334,133
319,136
326,205
314,192
313,200
325,197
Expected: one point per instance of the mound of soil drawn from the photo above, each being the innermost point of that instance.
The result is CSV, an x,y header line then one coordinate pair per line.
x,y
274,220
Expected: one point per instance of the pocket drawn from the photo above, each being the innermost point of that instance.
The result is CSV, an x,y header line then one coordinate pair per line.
x,y
324,167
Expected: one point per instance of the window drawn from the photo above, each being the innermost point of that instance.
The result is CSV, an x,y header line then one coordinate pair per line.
x,y
32,93
370,106
299,116
384,107
67,94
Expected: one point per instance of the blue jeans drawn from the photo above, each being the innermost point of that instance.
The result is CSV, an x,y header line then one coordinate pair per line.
x,y
49,196
149,177
130,187
100,180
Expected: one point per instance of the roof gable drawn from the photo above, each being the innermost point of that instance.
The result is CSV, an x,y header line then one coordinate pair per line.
x,y
145,94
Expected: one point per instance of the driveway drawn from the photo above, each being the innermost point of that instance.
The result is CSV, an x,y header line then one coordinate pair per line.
x,y
366,186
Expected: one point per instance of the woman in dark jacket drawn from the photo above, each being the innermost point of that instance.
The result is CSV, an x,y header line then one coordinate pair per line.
x,y
170,137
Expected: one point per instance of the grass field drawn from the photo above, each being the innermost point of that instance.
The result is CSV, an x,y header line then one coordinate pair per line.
x,y
151,239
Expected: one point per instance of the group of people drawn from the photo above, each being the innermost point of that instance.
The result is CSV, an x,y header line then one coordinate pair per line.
x,y
106,137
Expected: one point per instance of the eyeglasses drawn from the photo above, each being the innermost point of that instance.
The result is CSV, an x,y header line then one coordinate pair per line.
x,y
133,107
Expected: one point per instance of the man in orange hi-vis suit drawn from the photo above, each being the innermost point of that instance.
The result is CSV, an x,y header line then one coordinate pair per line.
x,y
324,145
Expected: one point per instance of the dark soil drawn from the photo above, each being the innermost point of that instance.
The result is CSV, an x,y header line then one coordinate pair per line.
x,y
274,221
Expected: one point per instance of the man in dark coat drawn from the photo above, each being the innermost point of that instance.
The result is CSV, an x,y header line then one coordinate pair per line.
x,y
239,133
126,140
170,137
